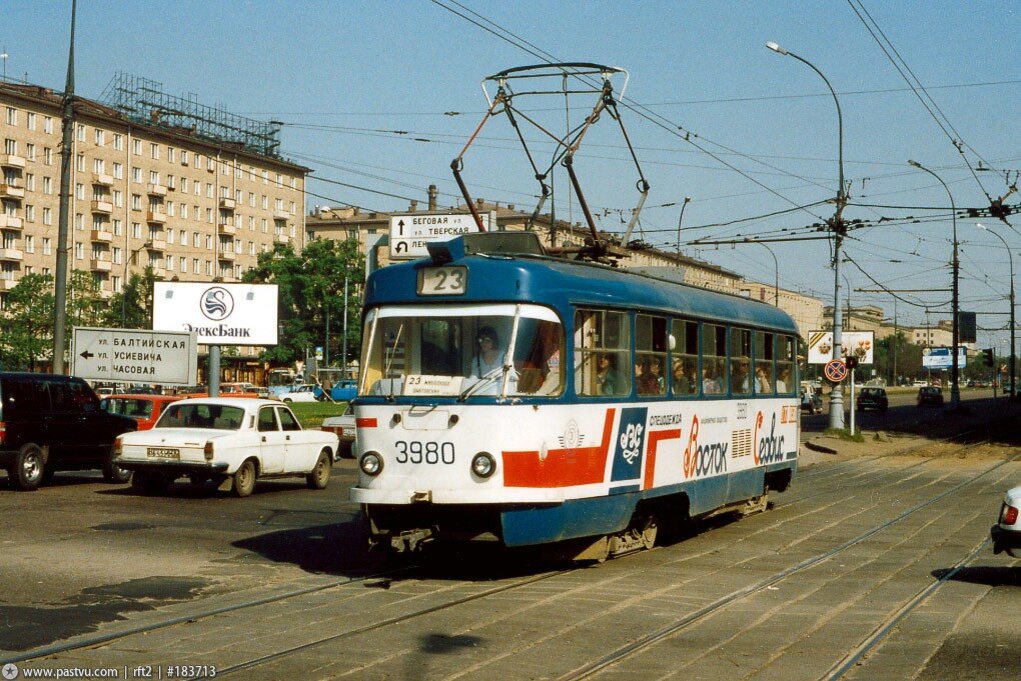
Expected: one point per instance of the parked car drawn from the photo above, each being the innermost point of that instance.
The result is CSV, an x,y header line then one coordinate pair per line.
x,y
343,427
811,400
145,409
223,439
873,398
930,395
1006,533
50,422
226,390
919,384
344,391
259,390
302,392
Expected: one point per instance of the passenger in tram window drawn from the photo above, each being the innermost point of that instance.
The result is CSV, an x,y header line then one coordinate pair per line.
x,y
648,380
684,378
606,375
762,382
710,381
783,380
739,377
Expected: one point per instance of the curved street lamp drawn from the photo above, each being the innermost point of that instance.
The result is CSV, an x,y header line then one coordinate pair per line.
x,y
955,388
836,224
1010,259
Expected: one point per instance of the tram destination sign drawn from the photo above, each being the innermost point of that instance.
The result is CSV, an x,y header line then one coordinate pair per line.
x,y
134,356
409,233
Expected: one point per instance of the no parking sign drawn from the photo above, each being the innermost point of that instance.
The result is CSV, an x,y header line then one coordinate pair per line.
x,y
835,370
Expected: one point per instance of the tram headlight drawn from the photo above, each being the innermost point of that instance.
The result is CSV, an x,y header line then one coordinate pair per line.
x,y
483,464
371,463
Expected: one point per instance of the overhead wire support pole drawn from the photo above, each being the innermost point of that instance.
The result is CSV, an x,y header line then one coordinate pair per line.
x,y
67,141
1010,256
955,388
838,229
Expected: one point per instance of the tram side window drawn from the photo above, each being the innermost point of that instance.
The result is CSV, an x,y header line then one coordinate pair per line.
x,y
684,366
786,349
650,355
714,359
537,353
764,379
602,348
740,361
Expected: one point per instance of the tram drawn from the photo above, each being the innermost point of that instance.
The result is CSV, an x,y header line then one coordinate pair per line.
x,y
514,397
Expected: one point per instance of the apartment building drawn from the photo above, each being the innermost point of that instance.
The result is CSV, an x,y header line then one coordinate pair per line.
x,y
145,191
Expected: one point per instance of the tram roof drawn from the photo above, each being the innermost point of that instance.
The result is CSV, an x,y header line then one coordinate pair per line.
x,y
559,283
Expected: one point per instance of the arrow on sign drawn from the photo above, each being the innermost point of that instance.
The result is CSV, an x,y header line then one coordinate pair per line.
x,y
401,225
86,355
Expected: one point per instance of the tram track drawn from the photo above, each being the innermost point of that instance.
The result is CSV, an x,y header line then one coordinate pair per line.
x,y
649,640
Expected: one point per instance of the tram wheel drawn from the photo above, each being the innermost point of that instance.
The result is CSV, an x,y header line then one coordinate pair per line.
x,y
650,531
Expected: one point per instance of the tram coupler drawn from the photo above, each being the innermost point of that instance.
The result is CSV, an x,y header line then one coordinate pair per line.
x,y
411,540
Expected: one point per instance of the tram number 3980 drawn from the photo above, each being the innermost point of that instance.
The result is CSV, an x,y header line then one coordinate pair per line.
x,y
424,452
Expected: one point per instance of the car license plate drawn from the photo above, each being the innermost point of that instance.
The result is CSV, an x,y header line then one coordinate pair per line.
x,y
163,453
349,432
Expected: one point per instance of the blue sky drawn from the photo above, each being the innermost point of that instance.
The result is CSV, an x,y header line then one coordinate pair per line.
x,y
365,88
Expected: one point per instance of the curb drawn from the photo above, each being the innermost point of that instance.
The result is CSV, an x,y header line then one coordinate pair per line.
x,y
814,446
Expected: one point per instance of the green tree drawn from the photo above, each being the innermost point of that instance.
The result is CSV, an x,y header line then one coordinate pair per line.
x,y
131,308
28,323
311,288
85,303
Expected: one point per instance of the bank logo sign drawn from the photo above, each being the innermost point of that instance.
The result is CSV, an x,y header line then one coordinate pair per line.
x,y
219,314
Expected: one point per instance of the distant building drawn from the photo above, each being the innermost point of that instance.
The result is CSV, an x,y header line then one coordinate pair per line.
x,y
371,230
146,190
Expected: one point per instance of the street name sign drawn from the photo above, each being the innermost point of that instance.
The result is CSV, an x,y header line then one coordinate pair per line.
x,y
409,233
134,355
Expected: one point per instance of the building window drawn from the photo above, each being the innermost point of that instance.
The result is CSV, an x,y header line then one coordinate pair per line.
x,y
79,251
196,241
136,202
136,174
47,156
136,230
79,191
30,244
118,141
154,177
184,157
79,163
100,137
30,182
195,265
30,151
184,211
98,166
81,134
118,227
46,246
47,216
30,213
47,185
184,265
12,116
11,147
136,147
48,125
154,150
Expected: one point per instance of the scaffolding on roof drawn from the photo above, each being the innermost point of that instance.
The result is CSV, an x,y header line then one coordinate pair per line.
x,y
144,101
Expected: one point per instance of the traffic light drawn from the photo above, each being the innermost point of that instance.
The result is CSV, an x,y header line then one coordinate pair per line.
x,y
851,362
987,357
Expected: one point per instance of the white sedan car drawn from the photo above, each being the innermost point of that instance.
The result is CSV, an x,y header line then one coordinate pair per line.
x,y
303,392
1006,533
231,441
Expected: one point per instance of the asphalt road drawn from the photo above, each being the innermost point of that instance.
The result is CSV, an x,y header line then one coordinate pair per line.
x,y
272,586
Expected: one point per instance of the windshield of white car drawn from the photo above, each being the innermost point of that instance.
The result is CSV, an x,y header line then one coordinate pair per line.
x,y
188,414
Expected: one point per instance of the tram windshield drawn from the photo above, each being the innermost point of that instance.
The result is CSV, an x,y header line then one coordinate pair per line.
x,y
461,351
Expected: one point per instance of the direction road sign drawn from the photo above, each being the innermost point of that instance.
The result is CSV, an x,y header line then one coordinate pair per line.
x,y
410,233
134,355
835,370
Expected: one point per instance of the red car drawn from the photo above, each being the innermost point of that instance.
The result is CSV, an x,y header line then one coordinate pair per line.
x,y
145,409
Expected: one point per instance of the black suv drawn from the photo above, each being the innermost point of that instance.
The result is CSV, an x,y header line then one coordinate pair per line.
x,y
50,422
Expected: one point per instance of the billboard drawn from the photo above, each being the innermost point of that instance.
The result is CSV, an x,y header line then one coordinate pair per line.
x,y
857,343
939,357
219,314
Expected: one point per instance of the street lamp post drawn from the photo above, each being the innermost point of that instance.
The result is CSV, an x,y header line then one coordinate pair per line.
x,y
1010,259
836,224
776,274
955,388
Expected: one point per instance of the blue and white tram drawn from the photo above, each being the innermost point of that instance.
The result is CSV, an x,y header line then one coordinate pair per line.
x,y
514,397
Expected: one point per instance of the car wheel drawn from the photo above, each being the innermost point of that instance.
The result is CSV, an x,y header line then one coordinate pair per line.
x,y
27,470
244,480
320,475
113,473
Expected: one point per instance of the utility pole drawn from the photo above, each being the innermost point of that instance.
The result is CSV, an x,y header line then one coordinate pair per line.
x,y
60,282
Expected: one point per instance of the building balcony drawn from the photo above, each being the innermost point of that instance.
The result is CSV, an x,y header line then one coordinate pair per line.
x,y
102,179
282,239
102,236
226,229
9,222
156,245
11,254
100,265
227,256
227,204
104,207
11,191
155,190
156,216
11,161
281,215
7,284
158,271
